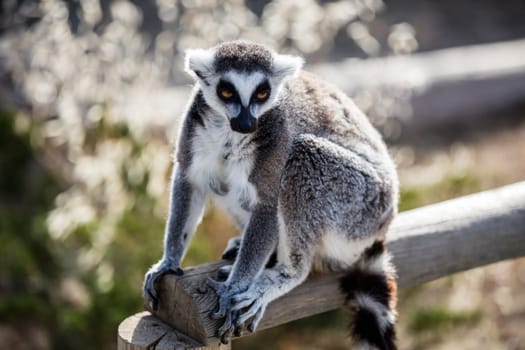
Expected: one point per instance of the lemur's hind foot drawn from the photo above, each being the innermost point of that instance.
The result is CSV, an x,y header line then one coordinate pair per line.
x,y
232,249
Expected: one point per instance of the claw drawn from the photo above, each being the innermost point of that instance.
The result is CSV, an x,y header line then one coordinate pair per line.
x,y
225,338
238,330
154,302
227,326
226,330
157,271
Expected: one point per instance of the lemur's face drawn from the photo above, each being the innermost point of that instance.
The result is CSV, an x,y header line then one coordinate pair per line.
x,y
241,97
241,93
244,97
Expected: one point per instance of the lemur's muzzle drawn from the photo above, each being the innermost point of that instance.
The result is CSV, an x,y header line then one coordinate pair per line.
x,y
244,123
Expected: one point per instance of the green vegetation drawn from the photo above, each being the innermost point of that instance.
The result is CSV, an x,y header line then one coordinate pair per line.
x,y
72,286
452,186
430,325
439,318
27,190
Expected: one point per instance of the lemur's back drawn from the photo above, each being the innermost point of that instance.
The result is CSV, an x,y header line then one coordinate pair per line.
x,y
314,106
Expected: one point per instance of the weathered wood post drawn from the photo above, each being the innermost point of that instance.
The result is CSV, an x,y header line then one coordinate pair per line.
x,y
427,243
143,331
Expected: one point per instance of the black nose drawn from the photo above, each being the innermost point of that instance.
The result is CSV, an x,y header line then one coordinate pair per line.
x,y
244,123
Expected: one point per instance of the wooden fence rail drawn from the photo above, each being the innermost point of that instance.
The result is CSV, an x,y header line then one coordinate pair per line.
x,y
427,243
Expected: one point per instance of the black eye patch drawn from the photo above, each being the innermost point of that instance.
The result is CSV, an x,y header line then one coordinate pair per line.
x,y
226,91
262,92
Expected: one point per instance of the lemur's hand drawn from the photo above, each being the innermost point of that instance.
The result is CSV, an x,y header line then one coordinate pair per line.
x,y
236,304
163,267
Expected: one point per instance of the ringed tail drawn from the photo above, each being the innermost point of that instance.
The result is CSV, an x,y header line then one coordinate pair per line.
x,y
371,297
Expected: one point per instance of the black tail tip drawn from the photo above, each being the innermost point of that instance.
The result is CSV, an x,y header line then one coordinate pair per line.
x,y
365,329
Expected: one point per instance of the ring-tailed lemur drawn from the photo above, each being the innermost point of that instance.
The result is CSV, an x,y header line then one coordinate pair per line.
x,y
301,171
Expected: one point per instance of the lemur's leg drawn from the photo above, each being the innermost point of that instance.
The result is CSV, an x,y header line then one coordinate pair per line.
x,y
350,201
354,200
231,252
186,208
271,283
259,242
232,248
294,261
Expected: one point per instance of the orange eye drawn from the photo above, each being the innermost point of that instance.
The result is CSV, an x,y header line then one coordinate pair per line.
x,y
262,95
226,93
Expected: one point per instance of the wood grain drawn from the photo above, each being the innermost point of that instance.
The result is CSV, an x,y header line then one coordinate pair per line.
x,y
143,331
426,243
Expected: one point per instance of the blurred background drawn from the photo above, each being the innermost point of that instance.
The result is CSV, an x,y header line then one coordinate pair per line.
x,y
91,95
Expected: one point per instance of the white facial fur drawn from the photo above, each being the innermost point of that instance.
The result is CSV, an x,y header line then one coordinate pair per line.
x,y
199,63
245,83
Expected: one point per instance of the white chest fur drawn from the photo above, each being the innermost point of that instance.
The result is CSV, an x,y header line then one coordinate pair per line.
x,y
222,161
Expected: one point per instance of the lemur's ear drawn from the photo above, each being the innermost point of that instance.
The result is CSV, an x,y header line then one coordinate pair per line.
x,y
286,66
199,63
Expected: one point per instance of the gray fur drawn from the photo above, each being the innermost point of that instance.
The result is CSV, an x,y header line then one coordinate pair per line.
x,y
242,56
314,172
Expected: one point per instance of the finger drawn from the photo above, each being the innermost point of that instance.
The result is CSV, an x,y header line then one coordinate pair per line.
x,y
227,325
237,331
150,291
154,301
248,313
242,303
225,338
255,322
225,331
215,285
220,313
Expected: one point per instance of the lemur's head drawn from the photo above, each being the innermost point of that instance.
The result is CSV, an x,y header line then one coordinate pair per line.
x,y
241,80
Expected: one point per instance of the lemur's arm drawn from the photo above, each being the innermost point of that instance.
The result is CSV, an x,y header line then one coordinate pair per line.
x,y
186,207
185,211
258,243
261,236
